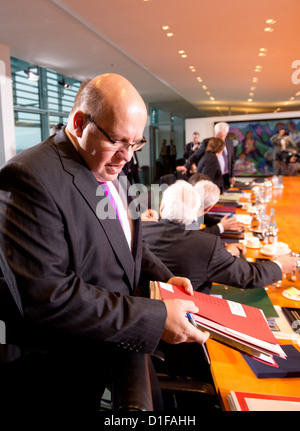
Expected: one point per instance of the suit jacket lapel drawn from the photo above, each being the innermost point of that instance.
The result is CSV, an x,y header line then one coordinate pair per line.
x,y
87,185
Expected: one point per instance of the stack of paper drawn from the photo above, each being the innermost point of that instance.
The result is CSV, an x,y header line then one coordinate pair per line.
x,y
239,326
243,401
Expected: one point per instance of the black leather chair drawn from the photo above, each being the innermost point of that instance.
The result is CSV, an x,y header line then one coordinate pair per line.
x,y
185,378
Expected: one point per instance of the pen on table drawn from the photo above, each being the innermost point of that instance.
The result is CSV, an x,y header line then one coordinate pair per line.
x,y
192,321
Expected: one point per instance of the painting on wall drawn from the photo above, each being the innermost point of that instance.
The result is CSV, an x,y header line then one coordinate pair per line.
x,y
254,150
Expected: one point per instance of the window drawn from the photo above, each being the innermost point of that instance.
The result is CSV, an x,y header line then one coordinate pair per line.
x,y
40,104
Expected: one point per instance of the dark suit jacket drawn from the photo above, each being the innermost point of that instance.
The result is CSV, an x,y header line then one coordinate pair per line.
x,y
210,166
196,156
202,258
75,273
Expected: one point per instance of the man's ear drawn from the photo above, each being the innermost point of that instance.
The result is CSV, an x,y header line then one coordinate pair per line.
x,y
79,120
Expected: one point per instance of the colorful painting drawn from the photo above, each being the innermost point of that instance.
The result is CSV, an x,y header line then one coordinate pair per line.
x,y
253,148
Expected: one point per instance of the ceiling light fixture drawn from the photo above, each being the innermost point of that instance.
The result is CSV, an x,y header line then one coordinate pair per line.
x,y
268,29
204,87
64,84
184,56
32,76
199,79
270,21
250,100
170,34
181,51
165,27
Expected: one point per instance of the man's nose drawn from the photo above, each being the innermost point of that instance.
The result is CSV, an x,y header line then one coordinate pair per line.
x,y
126,152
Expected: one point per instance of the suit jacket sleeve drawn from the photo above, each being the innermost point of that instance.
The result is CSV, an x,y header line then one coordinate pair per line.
x,y
34,239
225,268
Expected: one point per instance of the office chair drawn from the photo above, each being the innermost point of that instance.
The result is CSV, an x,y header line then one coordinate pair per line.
x,y
184,378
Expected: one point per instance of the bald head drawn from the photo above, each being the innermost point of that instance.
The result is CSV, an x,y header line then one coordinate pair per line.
x,y
107,108
110,96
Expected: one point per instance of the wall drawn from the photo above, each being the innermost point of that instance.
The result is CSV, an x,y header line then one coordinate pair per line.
x,y
205,126
7,127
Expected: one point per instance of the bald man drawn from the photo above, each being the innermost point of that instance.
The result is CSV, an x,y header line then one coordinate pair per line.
x,y
76,255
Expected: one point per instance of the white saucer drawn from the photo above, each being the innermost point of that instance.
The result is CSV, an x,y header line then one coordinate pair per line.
x,y
287,293
270,253
253,246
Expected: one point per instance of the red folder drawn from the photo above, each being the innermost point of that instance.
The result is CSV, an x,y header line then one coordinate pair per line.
x,y
230,319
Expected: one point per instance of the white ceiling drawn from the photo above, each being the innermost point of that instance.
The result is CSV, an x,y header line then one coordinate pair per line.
x,y
222,40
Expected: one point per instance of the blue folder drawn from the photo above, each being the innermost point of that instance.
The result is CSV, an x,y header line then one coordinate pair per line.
x,y
289,367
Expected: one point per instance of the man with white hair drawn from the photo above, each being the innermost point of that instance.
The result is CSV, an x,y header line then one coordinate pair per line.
x,y
226,159
210,193
201,256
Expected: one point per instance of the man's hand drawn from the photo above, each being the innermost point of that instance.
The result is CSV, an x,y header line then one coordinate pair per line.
x,y
236,248
182,282
177,328
181,169
231,223
288,264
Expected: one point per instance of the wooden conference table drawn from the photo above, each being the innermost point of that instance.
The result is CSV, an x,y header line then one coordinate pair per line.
x,y
229,370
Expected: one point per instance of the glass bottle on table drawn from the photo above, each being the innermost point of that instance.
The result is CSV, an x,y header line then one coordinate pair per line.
x,y
271,233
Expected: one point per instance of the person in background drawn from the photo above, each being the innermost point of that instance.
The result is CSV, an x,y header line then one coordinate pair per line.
x,y
192,146
201,256
172,157
221,131
281,142
164,157
210,193
76,260
131,169
209,162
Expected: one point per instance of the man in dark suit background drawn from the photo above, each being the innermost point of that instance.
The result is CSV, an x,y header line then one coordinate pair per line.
x,y
226,159
75,266
201,256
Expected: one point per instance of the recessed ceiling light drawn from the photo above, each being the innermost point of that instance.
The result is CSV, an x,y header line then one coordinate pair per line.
x,y
199,79
252,88
204,87
262,54
263,50
292,98
268,29
251,94
208,93
212,98
192,67
165,27
270,21
170,34
250,100
184,56
181,51
255,79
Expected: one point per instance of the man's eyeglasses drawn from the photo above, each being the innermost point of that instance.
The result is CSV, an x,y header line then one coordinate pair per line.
x,y
136,145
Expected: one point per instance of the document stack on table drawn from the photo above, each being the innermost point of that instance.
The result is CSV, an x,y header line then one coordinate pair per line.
x,y
239,326
244,401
